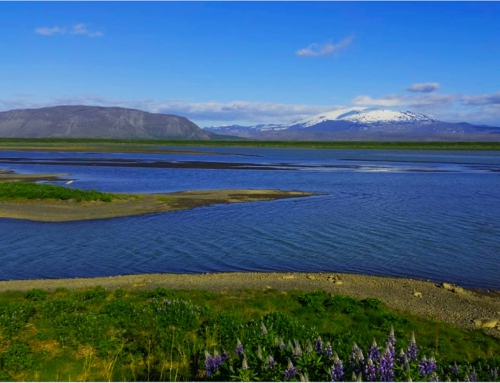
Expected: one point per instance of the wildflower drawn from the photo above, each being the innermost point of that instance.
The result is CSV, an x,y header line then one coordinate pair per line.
x,y
328,351
270,363
386,367
318,346
402,358
297,350
434,377
370,371
374,352
239,348
454,369
304,378
358,359
210,365
412,351
224,356
282,344
264,329
337,369
166,302
473,375
427,366
244,364
290,371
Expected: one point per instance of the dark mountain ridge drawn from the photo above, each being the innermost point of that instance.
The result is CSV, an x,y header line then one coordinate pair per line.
x,y
79,121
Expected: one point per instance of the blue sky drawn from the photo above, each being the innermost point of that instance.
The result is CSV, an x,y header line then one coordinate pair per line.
x,y
254,62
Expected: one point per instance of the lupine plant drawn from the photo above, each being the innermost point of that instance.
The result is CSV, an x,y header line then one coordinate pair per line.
x,y
268,358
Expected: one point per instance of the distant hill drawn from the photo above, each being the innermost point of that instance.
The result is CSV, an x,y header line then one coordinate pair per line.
x,y
97,122
364,124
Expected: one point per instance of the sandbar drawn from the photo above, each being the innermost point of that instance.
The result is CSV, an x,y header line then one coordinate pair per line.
x,y
133,204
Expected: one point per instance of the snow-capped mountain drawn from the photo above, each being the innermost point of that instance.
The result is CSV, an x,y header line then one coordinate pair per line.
x,y
362,123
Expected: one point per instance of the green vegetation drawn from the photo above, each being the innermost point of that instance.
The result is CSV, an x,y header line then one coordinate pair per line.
x,y
131,335
31,191
135,145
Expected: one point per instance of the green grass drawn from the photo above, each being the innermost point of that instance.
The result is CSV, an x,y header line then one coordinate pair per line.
x,y
33,191
162,334
115,144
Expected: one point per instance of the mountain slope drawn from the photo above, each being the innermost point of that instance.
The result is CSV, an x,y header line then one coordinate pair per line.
x,y
97,122
366,124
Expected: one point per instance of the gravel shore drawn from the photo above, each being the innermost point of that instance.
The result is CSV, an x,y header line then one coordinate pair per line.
x,y
444,302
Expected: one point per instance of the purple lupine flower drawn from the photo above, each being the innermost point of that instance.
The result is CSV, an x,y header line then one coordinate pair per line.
x,y
427,366
224,355
391,342
454,369
210,365
402,358
282,344
166,302
270,363
374,352
264,329
318,346
337,369
386,367
239,348
358,359
473,375
290,371
328,351
217,360
412,351
370,371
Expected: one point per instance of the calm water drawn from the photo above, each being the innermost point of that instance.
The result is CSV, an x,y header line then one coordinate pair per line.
x,y
428,215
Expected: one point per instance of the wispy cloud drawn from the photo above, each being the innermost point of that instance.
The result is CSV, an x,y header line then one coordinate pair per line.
x,y
326,49
390,100
77,29
425,87
482,99
45,31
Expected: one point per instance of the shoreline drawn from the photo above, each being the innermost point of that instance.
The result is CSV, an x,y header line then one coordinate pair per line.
x,y
443,302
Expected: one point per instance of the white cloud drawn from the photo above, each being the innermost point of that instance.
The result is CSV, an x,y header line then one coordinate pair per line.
x,y
45,31
326,49
390,100
424,87
78,29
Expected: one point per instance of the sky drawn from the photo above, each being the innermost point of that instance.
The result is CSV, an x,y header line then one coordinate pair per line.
x,y
247,63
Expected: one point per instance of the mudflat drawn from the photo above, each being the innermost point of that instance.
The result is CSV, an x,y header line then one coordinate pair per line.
x,y
443,302
133,204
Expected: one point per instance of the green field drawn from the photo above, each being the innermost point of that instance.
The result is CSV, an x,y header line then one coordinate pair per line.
x,y
160,334
81,144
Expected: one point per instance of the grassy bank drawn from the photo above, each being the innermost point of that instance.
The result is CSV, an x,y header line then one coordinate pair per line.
x,y
160,334
31,191
110,145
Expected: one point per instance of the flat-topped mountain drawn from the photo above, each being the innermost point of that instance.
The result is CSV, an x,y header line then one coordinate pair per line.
x,y
74,121
365,124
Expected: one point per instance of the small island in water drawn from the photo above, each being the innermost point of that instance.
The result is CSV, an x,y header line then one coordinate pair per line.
x,y
51,203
